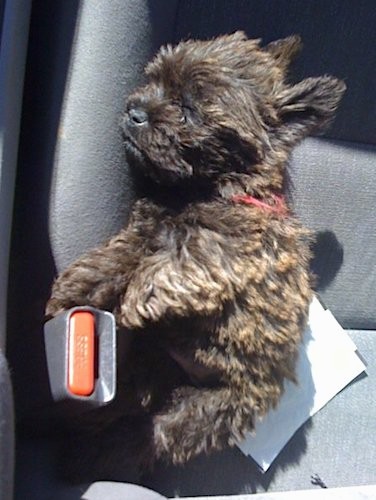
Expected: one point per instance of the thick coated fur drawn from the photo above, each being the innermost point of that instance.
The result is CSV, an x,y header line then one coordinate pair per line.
x,y
214,292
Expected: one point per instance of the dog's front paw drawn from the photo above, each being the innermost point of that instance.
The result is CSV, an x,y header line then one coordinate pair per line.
x,y
54,307
66,292
157,292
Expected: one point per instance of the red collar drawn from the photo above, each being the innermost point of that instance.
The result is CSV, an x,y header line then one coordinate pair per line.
x,y
279,205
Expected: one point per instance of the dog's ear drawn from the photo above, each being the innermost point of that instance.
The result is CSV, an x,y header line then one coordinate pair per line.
x,y
285,50
307,107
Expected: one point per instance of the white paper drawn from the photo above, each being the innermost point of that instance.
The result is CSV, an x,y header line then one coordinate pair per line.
x,y
327,363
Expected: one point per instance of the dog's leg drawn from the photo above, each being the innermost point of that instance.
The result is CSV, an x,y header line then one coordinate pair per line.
x,y
203,420
251,363
97,278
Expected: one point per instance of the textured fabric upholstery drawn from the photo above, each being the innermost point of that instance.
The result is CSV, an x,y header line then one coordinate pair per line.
x,y
352,493
90,173
333,189
116,491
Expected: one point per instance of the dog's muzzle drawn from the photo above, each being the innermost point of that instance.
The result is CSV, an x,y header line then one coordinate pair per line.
x,y
135,119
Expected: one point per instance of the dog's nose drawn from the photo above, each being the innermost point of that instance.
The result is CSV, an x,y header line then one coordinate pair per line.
x,y
138,117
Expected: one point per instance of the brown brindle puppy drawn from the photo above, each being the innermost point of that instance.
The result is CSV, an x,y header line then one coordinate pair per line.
x,y
211,273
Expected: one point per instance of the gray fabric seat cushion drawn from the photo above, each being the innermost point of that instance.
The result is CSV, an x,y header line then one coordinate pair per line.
x,y
333,190
116,491
338,444
352,493
119,491
113,41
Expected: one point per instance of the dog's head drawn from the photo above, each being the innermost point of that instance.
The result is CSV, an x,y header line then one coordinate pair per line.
x,y
219,106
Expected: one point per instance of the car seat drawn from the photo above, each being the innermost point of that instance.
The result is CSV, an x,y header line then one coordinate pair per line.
x,y
73,190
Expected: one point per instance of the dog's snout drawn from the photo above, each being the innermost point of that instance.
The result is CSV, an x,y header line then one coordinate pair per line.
x,y
137,116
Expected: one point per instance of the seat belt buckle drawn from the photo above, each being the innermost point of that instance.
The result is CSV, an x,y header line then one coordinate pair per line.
x,y
81,357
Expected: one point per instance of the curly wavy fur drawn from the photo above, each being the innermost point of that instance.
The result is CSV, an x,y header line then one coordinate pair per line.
x,y
215,293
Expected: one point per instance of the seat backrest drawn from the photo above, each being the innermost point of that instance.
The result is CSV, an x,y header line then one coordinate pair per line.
x,y
73,185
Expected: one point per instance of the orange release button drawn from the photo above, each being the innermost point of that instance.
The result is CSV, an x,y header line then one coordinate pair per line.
x,y
81,355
